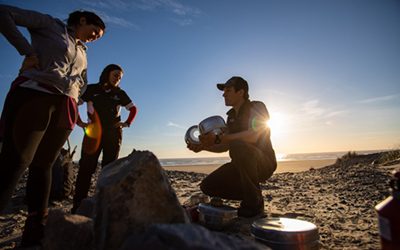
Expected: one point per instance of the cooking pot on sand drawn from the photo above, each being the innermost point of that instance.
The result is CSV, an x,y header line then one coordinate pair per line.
x,y
214,124
216,217
286,233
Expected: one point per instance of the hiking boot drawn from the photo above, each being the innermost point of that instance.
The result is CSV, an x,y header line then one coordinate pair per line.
x,y
251,211
73,209
75,206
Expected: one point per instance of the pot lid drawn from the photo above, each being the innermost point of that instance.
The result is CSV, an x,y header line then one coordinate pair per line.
x,y
192,135
284,230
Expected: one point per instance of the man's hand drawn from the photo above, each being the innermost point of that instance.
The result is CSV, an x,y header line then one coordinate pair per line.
x,y
29,62
195,147
208,139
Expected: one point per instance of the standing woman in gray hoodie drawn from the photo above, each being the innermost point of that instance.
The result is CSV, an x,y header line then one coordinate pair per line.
x,y
40,110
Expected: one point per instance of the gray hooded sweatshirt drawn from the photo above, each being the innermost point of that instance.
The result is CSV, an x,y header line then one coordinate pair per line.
x,y
62,58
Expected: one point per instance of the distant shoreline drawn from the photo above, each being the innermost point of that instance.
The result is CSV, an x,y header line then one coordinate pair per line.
x,y
283,166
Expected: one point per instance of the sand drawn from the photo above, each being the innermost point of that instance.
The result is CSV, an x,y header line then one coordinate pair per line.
x,y
338,198
283,166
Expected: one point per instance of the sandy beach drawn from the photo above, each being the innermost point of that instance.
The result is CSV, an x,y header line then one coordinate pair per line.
x,y
283,166
337,196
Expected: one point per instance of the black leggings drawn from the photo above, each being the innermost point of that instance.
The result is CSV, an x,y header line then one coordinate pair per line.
x,y
33,138
240,178
110,144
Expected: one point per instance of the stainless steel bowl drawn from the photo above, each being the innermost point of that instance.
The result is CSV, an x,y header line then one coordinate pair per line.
x,y
191,135
215,124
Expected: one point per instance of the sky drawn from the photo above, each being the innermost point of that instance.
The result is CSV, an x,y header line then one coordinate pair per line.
x,y
328,71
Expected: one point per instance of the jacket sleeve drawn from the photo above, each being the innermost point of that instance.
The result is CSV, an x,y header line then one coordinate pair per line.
x,y
11,17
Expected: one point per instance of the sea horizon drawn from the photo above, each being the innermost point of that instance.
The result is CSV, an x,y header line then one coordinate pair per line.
x,y
280,158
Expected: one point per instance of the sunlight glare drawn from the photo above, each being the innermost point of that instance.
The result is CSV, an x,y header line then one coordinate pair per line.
x,y
279,124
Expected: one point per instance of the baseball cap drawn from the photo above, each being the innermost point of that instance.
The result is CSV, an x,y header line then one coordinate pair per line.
x,y
236,81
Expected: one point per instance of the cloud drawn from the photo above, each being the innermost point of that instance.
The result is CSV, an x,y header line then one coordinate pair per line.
x,y
183,14
116,20
172,6
312,108
183,22
315,112
110,19
172,124
336,113
380,99
107,4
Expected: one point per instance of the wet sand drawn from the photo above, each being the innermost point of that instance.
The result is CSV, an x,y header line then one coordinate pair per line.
x,y
283,166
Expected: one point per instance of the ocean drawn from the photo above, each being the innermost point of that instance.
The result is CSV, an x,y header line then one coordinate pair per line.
x,y
280,157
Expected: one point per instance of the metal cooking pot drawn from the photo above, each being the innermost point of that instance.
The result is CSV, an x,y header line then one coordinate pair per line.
x,y
216,218
286,233
191,135
215,124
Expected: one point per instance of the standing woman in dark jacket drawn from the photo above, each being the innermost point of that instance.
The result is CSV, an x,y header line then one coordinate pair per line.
x,y
104,130
40,110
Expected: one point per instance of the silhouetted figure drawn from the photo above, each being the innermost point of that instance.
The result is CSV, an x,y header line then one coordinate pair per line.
x,y
250,149
103,133
40,110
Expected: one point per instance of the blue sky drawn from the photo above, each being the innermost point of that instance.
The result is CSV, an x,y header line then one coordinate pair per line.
x,y
328,71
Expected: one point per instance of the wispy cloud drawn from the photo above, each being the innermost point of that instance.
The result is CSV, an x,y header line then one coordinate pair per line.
x,y
172,6
107,4
380,99
172,124
183,22
312,108
116,20
108,18
336,113
183,14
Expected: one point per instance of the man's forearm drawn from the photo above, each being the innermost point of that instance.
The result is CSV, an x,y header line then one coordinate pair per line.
x,y
218,148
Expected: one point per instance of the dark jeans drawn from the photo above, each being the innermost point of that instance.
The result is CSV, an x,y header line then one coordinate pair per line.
x,y
110,144
32,138
240,178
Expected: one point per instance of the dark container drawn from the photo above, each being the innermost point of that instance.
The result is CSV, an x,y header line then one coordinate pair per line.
x,y
389,216
216,218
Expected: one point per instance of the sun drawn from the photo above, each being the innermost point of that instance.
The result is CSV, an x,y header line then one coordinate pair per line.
x,y
278,123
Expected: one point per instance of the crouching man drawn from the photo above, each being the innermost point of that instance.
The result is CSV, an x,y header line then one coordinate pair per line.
x,y
248,142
